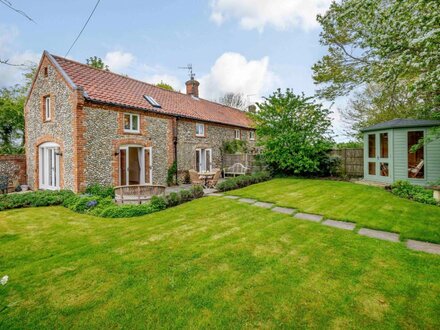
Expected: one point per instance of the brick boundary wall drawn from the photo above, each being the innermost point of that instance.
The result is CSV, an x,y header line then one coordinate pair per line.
x,y
14,166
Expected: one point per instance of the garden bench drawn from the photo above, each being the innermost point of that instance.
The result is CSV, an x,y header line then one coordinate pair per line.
x,y
137,194
236,169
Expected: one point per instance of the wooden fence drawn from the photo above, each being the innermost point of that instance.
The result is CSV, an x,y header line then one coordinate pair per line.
x,y
352,161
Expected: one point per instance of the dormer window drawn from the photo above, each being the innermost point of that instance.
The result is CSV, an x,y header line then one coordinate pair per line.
x,y
152,101
200,129
131,123
46,108
237,134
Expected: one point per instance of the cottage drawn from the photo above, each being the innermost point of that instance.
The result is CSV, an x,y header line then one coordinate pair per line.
x,y
85,126
388,156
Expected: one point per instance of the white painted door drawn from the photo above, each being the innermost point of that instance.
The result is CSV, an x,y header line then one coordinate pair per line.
x,y
49,166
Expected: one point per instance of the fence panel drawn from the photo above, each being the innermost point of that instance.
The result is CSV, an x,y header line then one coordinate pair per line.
x,y
352,160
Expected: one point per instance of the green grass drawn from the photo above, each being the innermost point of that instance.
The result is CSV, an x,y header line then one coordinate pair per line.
x,y
368,206
210,263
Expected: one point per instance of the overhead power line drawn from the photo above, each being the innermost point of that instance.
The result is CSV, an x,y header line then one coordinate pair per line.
x,y
84,26
21,12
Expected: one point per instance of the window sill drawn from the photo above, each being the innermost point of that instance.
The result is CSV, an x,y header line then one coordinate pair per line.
x,y
132,133
200,136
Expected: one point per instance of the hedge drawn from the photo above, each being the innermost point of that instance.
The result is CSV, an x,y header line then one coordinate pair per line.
x,y
243,181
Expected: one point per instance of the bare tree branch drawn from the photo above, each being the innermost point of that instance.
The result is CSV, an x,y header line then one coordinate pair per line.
x,y
6,62
21,12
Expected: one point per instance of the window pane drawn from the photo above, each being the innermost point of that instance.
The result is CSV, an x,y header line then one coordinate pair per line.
x,y
416,163
384,169
372,145
135,123
208,160
372,168
47,107
127,122
384,145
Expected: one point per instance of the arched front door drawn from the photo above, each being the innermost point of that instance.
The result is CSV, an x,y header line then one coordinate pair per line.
x,y
49,166
135,165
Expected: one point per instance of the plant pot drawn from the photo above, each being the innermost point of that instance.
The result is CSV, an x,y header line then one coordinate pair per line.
x,y
24,187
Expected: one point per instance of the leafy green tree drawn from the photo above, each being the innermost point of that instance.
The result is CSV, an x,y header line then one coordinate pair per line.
x,y
97,62
165,86
12,101
388,43
295,132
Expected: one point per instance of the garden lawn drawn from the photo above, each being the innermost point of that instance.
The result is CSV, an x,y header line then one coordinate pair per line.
x,y
368,206
209,263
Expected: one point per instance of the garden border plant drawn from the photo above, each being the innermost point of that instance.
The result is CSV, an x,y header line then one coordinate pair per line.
x,y
243,181
404,189
98,201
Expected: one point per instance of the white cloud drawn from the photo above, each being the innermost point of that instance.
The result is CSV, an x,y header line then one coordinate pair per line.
x,y
233,73
118,61
281,14
11,75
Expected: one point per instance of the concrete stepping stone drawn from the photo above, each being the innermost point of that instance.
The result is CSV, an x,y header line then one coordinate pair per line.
x,y
309,217
231,197
264,205
423,246
379,234
215,194
340,224
284,210
247,200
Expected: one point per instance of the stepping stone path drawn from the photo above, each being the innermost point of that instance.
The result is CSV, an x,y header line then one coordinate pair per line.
x,y
339,224
379,234
423,246
383,235
309,217
264,205
247,200
284,210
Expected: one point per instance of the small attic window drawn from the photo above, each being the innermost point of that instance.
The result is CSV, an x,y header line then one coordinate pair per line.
x,y
152,101
46,71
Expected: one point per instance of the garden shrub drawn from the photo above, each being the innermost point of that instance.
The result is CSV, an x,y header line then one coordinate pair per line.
x,y
100,190
186,196
34,199
197,191
243,181
173,199
419,194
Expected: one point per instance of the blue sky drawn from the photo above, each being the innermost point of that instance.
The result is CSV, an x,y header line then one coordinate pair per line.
x,y
247,46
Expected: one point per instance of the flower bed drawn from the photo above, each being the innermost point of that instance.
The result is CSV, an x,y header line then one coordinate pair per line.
x,y
243,181
98,201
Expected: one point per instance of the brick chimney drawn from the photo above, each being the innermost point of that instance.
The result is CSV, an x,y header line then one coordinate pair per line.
x,y
192,87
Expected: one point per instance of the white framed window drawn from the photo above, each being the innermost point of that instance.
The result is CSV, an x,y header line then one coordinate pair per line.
x,y
237,134
203,160
131,123
200,129
47,110
251,135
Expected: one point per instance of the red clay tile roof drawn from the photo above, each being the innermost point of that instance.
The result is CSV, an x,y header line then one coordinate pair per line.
x,y
108,87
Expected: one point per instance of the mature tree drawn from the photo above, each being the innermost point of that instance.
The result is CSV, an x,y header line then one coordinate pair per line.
x,y
165,86
12,114
97,62
295,132
11,119
387,43
235,100
371,106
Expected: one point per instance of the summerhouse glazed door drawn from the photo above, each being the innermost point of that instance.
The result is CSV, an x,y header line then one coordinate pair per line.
x,y
378,152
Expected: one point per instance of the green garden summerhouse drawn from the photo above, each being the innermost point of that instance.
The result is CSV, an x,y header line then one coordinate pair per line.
x,y
389,156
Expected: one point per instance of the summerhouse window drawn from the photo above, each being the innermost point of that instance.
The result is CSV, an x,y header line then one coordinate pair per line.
x,y
416,162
